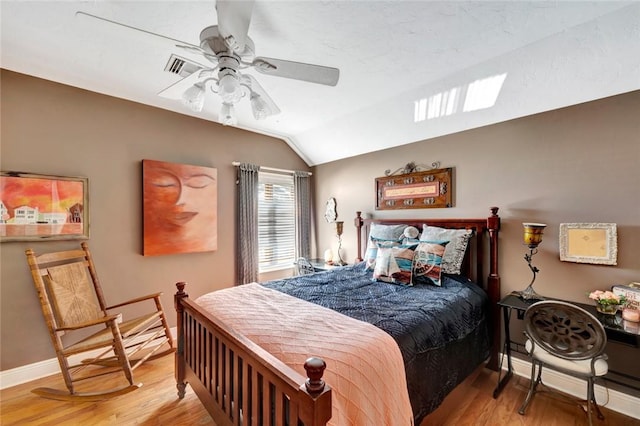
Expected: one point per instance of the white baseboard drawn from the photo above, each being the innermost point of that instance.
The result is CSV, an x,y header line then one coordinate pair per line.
x,y
38,370
612,399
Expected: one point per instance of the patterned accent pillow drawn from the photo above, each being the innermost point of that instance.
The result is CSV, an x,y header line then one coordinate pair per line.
x,y
381,236
427,262
395,265
372,250
456,249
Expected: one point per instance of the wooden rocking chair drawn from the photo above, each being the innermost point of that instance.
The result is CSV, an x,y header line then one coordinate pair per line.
x,y
72,303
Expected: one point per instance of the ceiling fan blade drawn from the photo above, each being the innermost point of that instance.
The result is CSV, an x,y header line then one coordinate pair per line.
x,y
234,18
177,89
272,108
109,21
297,70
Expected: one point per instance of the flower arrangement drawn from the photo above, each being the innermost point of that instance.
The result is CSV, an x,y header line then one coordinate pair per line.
x,y
607,298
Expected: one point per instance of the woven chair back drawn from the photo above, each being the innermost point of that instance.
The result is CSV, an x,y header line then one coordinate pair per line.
x,y
72,294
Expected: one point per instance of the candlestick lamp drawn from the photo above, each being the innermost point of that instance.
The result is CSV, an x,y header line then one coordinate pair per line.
x,y
532,238
339,226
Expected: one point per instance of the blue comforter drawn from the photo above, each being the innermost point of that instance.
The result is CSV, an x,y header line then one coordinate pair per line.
x,y
441,331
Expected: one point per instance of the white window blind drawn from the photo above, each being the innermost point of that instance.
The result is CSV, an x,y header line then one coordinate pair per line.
x,y
276,221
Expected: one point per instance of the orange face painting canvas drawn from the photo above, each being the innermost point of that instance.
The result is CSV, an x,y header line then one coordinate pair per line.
x,y
41,207
180,208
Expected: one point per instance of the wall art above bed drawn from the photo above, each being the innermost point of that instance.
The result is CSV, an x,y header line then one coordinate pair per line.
x,y
415,189
37,207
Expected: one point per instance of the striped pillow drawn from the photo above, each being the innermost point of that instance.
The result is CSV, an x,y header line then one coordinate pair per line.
x,y
372,250
395,265
381,236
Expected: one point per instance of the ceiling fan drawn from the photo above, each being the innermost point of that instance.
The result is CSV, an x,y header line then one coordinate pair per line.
x,y
229,49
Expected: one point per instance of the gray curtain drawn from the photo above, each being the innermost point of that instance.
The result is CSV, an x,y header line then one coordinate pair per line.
x,y
247,238
302,188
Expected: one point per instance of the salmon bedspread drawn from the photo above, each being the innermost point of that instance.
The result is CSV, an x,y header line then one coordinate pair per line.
x,y
442,331
364,365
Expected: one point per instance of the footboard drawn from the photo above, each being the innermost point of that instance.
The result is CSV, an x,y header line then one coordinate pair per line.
x,y
238,382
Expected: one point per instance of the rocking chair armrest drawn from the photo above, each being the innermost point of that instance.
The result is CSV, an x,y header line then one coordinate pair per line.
x,y
136,300
104,320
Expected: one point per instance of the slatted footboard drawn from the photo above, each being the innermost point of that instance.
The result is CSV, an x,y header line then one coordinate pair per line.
x,y
238,382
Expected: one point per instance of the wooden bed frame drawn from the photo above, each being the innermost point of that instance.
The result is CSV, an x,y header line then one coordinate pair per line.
x,y
239,383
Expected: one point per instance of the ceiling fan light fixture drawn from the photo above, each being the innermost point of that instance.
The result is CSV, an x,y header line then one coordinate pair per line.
x,y
230,50
193,97
228,115
229,87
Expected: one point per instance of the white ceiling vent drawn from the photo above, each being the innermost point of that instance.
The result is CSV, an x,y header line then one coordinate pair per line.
x,y
181,66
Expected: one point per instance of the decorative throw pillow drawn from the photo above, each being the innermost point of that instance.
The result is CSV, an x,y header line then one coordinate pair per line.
x,y
384,265
456,249
395,265
372,250
427,262
381,236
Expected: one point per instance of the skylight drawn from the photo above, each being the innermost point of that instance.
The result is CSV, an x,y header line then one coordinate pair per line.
x,y
477,95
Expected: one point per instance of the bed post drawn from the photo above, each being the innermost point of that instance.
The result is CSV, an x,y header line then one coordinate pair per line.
x,y
359,222
319,412
493,286
180,365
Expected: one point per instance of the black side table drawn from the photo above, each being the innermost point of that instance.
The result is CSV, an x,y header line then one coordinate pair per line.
x,y
508,304
615,333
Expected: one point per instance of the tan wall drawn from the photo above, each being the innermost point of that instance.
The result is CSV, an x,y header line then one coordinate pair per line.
x,y
55,129
577,164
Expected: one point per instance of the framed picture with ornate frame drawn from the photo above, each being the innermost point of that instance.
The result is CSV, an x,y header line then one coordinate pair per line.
x,y
595,243
35,207
411,188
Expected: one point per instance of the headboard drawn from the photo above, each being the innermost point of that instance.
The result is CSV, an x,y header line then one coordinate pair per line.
x,y
483,243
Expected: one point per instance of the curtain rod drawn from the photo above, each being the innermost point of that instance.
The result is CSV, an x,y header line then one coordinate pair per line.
x,y
271,169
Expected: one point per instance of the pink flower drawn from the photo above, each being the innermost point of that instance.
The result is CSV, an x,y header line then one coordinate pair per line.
x,y
607,297
595,295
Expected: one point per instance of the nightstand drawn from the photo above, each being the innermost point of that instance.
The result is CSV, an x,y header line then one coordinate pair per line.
x,y
321,265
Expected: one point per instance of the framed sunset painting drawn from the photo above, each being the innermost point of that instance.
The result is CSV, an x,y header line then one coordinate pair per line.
x,y
180,208
37,207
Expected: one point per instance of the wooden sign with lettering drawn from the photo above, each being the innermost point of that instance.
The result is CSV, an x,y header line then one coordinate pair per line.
x,y
418,190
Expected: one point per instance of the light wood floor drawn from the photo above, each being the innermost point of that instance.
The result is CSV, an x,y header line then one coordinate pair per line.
x,y
156,403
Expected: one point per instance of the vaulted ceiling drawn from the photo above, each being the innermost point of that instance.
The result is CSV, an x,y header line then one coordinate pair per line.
x,y
409,70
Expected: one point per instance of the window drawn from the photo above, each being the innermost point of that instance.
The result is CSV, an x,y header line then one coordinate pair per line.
x,y
276,221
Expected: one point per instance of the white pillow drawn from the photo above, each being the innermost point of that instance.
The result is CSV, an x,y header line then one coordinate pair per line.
x,y
386,232
455,250
385,265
